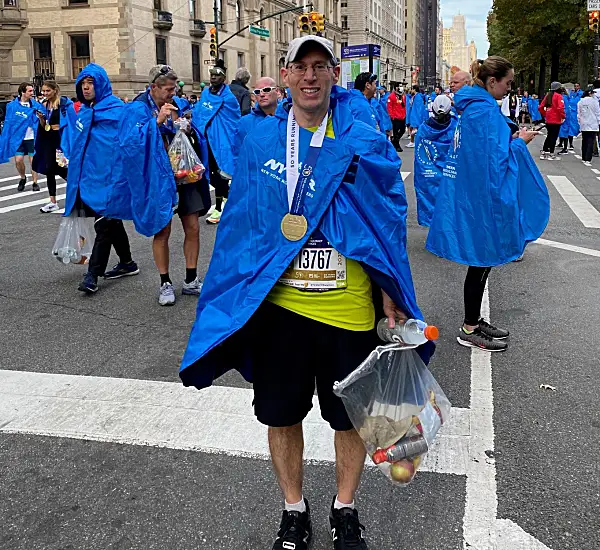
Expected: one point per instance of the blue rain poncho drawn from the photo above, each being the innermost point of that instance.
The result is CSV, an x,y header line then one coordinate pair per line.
x,y
96,163
18,118
493,200
359,204
534,109
432,145
217,117
384,122
247,125
418,110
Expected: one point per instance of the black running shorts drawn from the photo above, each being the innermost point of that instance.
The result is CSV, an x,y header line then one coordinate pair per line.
x,y
291,355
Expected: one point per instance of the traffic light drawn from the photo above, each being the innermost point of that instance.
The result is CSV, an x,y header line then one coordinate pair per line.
x,y
213,42
594,19
303,22
317,22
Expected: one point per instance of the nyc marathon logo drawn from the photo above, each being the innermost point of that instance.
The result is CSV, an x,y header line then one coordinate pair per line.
x,y
275,169
427,152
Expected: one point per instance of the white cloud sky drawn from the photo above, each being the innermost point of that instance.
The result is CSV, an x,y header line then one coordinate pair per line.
x,y
476,12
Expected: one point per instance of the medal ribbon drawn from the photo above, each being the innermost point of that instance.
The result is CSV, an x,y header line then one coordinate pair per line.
x,y
297,183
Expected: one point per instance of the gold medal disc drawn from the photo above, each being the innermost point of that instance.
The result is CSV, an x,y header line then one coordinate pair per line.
x,y
294,227
47,127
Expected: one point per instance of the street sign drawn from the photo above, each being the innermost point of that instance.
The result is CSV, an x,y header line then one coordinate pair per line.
x,y
593,5
259,31
208,61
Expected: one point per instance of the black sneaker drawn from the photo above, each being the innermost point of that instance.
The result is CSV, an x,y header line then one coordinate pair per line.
x,y
492,331
478,339
35,187
346,530
122,270
21,186
295,530
89,285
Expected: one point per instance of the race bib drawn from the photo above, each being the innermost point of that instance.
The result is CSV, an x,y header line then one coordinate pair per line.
x,y
317,268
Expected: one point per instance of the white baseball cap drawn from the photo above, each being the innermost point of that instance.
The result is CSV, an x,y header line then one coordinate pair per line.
x,y
442,105
297,43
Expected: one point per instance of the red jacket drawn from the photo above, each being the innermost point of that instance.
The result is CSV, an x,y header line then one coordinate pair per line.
x,y
396,107
556,113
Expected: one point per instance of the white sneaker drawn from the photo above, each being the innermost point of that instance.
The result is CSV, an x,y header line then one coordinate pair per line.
x,y
587,163
193,288
167,295
50,207
410,145
543,156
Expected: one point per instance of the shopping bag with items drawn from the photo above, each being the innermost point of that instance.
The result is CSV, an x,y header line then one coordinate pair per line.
x,y
397,408
75,240
184,161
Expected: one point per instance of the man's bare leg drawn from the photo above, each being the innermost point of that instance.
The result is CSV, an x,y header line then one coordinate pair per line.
x,y
350,457
287,450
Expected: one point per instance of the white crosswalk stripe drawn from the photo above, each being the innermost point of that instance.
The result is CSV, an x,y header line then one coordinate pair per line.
x,y
28,198
581,207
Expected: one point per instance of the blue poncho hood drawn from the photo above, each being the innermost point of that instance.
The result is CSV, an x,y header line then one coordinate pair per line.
x,y
358,203
360,106
18,118
493,199
217,116
432,144
96,165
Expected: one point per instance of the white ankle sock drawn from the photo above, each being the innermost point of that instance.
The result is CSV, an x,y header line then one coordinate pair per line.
x,y
297,507
337,505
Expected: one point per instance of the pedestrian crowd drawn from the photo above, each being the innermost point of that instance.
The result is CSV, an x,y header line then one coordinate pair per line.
x,y
311,246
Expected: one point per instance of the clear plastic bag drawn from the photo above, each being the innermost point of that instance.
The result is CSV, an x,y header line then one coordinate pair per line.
x,y
184,161
397,408
75,240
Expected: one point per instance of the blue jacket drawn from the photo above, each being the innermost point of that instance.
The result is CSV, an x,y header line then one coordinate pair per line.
x,y
217,117
432,144
41,164
578,94
565,127
358,203
248,125
534,109
148,169
573,102
360,107
381,114
418,110
493,200
101,184
16,122
183,104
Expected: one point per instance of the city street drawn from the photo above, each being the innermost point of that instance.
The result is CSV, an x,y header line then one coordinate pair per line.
x,y
102,448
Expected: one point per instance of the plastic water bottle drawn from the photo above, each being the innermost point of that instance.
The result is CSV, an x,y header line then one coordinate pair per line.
x,y
412,332
407,447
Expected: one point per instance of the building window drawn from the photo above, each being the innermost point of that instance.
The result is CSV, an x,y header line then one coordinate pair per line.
x,y
345,44
43,67
280,36
238,15
344,3
345,22
263,65
80,52
77,2
222,55
11,3
161,50
196,77
193,9
240,59
158,5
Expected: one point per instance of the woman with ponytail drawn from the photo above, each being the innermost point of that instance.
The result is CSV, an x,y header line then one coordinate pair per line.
x,y
492,200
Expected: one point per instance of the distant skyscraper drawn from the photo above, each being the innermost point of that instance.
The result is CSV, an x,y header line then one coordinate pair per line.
x,y
457,53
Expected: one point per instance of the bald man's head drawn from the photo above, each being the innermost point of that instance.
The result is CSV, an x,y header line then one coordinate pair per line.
x,y
265,90
460,79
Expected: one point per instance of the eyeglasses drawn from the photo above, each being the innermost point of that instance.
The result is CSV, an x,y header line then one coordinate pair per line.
x,y
164,70
299,69
265,90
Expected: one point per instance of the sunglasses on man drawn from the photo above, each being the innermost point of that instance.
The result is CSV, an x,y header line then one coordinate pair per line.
x,y
164,70
216,71
265,90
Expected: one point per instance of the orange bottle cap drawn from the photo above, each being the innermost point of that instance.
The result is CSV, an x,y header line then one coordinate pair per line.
x,y
431,332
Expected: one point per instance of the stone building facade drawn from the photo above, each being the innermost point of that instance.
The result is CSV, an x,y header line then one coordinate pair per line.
x,y
57,38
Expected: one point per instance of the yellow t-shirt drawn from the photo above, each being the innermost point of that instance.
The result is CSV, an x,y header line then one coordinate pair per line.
x,y
350,306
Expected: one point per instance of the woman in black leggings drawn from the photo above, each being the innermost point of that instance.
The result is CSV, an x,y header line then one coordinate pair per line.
x,y
552,108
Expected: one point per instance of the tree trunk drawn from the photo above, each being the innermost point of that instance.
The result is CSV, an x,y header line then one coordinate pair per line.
x,y
583,73
555,66
531,84
542,79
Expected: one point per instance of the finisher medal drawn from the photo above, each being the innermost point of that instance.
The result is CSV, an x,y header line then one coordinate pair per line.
x,y
47,127
294,227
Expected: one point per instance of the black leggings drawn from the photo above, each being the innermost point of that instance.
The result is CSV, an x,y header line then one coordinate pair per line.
x,y
473,293
550,143
399,128
220,184
587,145
51,179
564,142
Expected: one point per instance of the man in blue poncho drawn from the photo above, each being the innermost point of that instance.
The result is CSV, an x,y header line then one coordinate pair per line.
x,y
94,186
148,127
359,99
18,135
418,113
266,104
492,200
314,230
432,144
217,116
384,122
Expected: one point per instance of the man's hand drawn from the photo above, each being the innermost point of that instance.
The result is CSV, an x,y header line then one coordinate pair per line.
x,y
165,113
392,311
528,135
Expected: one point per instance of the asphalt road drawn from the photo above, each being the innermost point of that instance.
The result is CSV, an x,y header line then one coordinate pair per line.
x,y
64,493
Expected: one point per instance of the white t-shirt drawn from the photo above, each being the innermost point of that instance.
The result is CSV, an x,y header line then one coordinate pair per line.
x,y
29,134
